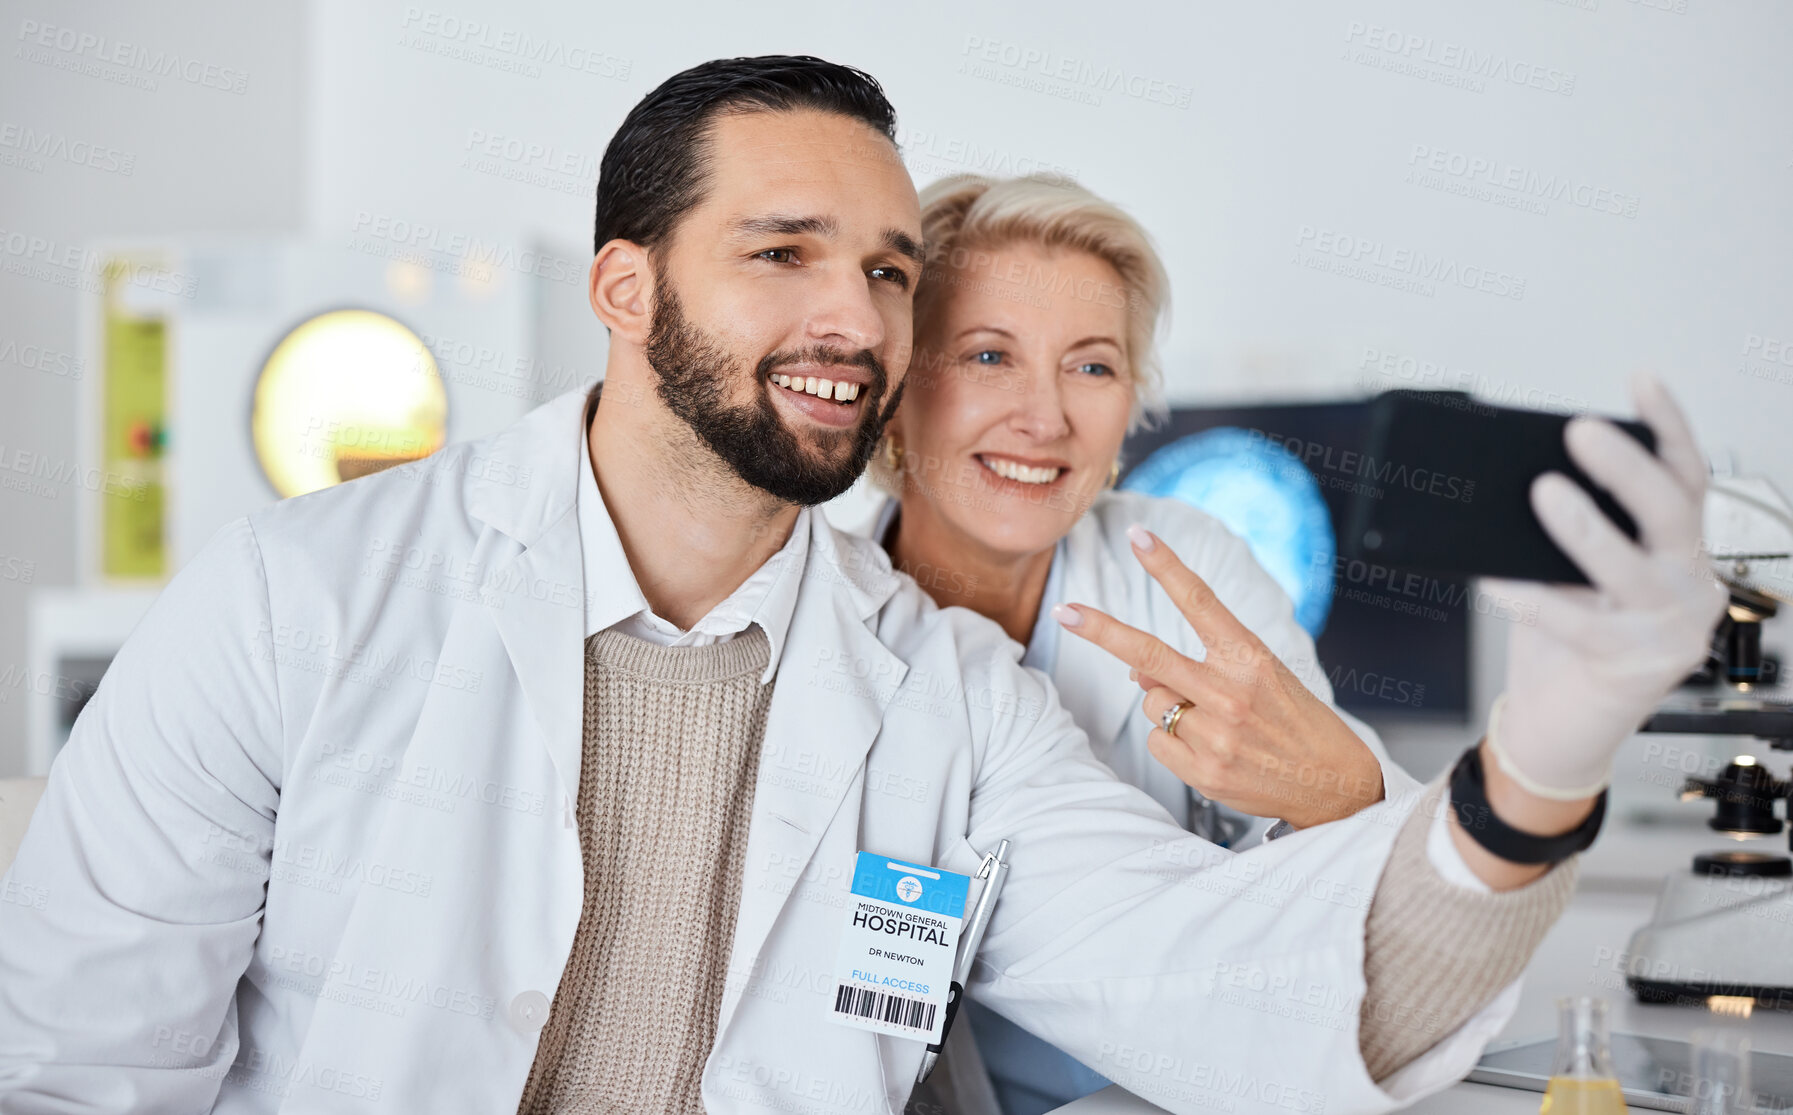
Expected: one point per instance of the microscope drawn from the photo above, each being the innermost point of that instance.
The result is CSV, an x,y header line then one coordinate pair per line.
x,y
1722,929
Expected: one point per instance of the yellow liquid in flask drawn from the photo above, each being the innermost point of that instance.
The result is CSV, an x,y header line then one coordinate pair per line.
x,y
1569,1095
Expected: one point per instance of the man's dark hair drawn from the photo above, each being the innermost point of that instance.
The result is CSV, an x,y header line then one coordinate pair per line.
x,y
656,167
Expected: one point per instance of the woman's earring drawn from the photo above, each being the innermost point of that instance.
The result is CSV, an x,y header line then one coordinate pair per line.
x,y
1114,473
893,454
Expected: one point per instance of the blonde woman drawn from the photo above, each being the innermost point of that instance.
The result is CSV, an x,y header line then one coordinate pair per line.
x,y
1035,321
1034,329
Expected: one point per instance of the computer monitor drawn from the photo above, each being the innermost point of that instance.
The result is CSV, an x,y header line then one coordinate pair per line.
x,y
1395,644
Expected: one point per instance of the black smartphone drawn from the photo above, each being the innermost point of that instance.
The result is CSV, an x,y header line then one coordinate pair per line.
x,y
1445,488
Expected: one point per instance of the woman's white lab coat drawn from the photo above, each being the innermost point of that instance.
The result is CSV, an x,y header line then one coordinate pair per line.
x,y
311,846
1097,567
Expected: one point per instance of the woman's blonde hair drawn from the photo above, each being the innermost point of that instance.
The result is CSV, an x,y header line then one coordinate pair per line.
x,y
970,214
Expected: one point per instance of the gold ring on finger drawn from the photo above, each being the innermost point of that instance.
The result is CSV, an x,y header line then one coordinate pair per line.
x,y
1173,714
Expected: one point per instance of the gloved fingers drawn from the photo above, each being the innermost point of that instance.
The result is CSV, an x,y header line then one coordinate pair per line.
x,y
1521,602
1668,518
1539,597
1612,563
1575,617
1675,443
1571,614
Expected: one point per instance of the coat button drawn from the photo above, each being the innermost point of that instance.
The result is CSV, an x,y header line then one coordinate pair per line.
x,y
529,1012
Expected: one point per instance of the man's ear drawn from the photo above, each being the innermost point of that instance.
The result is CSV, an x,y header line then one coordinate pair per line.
x,y
622,290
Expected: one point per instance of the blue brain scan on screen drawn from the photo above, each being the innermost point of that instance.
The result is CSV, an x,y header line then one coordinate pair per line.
x,y
1266,496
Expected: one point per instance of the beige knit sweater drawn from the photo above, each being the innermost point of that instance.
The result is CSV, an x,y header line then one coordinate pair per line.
x,y
672,742
1434,952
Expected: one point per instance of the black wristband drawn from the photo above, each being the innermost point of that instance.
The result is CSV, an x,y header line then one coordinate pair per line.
x,y
1469,799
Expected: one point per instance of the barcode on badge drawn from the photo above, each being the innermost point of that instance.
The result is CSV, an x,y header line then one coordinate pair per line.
x,y
884,1006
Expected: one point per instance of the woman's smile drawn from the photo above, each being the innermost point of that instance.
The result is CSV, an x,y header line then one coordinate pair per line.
x,y
1020,471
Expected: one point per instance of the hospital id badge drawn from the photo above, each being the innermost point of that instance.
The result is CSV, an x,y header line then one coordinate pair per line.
x,y
895,967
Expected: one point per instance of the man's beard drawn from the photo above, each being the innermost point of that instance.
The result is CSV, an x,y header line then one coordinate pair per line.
x,y
696,374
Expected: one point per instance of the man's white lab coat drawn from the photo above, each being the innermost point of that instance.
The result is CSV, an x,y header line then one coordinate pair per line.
x,y
311,846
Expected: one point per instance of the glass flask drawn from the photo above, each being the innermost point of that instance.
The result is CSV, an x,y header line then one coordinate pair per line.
x,y
1720,1072
1582,1080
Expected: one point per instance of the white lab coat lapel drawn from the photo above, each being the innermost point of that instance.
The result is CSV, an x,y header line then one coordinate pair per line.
x,y
835,678
1092,684
544,635
528,487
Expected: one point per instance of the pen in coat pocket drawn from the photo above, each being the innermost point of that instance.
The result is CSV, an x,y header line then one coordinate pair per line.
x,y
994,869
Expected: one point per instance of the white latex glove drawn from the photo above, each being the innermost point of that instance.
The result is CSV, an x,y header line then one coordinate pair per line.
x,y
1598,660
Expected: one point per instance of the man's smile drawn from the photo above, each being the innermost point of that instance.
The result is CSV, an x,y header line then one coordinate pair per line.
x,y
819,398
820,386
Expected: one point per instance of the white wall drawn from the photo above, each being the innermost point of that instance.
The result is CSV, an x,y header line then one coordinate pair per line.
x,y
199,158
1685,112
1675,110
1281,129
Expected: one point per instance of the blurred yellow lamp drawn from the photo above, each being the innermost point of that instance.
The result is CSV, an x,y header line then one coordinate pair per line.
x,y
346,393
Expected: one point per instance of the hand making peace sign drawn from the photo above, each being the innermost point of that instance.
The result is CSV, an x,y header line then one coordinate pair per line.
x,y
1250,736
